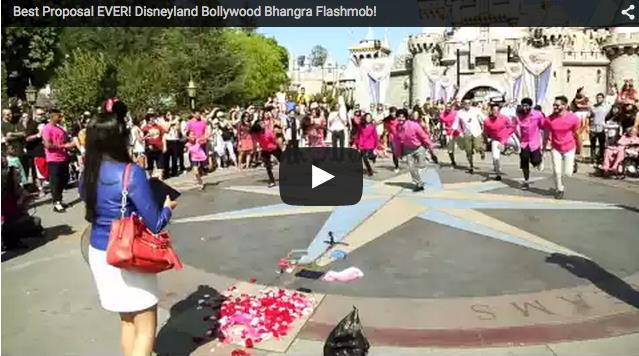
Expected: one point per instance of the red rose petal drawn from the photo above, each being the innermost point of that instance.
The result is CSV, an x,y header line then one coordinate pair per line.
x,y
248,343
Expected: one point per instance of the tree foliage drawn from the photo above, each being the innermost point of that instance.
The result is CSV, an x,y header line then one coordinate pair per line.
x,y
115,42
200,53
29,53
147,66
5,95
263,66
318,56
142,85
78,81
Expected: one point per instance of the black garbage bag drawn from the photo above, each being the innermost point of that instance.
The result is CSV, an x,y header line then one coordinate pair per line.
x,y
347,339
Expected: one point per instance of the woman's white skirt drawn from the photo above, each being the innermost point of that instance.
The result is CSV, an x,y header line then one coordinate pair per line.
x,y
121,290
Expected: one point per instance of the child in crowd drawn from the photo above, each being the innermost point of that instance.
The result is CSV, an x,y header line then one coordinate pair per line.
x,y
197,157
13,161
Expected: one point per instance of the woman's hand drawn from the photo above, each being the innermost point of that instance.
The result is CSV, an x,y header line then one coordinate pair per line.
x,y
168,203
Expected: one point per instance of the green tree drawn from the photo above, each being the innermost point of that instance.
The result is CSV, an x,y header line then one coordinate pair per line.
x,y
5,95
143,82
264,65
203,54
77,83
318,56
29,53
115,42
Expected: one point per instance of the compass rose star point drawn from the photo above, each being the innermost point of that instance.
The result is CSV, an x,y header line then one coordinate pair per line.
x,y
387,204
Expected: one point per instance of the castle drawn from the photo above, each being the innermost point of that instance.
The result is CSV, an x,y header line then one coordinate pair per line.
x,y
483,62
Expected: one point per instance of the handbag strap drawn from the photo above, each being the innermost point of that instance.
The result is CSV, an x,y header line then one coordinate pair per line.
x,y
125,189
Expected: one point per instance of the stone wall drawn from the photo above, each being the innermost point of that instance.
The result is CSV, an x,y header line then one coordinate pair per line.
x,y
398,92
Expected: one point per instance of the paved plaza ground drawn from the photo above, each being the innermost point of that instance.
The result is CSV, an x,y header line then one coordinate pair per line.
x,y
469,267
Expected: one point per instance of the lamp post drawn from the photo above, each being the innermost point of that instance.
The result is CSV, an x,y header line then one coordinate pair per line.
x,y
191,90
31,94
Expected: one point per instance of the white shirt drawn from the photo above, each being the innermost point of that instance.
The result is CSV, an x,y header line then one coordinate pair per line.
x,y
336,122
471,121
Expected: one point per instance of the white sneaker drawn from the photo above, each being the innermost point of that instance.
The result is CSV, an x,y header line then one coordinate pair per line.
x,y
540,167
396,170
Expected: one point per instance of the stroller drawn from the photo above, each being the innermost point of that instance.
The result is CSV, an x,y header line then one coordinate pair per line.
x,y
613,132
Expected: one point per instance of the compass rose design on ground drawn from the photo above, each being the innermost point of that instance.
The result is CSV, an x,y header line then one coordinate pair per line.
x,y
389,203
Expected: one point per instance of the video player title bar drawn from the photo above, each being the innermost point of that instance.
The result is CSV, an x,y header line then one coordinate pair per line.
x,y
322,13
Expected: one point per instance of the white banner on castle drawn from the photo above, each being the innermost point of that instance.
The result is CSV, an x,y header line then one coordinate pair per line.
x,y
444,89
375,74
537,66
515,75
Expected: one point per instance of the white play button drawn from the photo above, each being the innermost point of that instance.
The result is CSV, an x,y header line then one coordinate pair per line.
x,y
319,176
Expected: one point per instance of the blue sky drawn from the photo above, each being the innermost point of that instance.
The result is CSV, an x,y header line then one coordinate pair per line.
x,y
337,40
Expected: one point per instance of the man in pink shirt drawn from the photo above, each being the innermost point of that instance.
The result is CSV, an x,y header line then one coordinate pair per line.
x,y
56,143
410,142
499,130
530,124
563,127
448,118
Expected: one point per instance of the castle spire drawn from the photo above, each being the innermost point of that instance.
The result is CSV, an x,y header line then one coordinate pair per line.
x,y
370,35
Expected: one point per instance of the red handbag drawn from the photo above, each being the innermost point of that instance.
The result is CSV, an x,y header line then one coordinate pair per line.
x,y
132,246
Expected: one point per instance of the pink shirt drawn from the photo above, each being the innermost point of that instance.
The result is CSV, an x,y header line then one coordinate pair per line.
x,y
448,119
367,138
390,125
267,140
499,128
562,131
410,135
530,127
57,136
196,152
197,126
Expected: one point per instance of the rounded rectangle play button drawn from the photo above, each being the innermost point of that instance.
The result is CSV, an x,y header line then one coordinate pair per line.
x,y
321,176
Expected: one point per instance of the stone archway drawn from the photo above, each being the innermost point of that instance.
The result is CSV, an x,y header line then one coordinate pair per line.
x,y
483,84
482,93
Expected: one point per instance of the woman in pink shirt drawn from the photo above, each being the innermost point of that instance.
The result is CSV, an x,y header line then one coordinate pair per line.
x,y
614,155
366,142
390,130
499,130
563,127
269,147
530,124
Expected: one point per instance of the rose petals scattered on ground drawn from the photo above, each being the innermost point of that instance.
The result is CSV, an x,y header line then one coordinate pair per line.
x,y
250,319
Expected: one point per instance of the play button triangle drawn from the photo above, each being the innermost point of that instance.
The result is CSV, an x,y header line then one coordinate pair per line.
x,y
319,176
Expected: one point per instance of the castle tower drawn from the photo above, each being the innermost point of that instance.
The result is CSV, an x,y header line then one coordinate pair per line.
x,y
426,51
367,51
622,48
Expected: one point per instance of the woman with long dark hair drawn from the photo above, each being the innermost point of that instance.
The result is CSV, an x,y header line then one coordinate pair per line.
x,y
133,295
